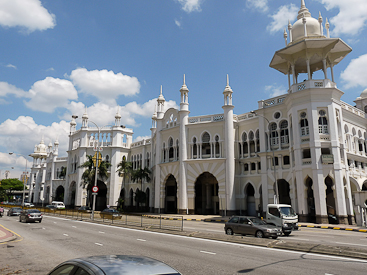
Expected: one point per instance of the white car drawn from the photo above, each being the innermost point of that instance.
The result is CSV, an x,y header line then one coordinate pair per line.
x,y
28,204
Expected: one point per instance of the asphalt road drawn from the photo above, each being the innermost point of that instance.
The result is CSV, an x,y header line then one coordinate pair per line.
x,y
44,245
304,234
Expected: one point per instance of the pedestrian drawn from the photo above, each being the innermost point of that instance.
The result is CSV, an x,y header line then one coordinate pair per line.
x,y
1,211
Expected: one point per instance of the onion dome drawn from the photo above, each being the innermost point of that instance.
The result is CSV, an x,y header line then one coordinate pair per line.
x,y
364,94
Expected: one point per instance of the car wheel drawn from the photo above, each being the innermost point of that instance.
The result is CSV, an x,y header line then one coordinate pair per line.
x,y
287,233
40,221
20,220
229,231
275,237
259,234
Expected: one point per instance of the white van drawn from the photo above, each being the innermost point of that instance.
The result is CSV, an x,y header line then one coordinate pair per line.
x,y
58,204
282,215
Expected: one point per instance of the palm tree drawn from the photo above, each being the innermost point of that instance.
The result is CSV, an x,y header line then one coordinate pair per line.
x,y
88,175
124,170
141,174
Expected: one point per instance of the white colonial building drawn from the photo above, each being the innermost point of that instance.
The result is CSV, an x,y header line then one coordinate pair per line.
x,y
308,142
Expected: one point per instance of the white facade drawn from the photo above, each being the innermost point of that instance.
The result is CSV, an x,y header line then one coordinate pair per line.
x,y
223,163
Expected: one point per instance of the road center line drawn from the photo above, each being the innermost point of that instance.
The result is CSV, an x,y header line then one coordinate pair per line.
x,y
141,240
101,232
66,235
207,252
99,244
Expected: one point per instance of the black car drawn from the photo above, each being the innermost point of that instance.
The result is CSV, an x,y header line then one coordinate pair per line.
x,y
30,215
86,209
113,265
15,211
110,213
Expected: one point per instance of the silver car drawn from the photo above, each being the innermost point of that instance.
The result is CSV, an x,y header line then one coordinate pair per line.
x,y
113,265
30,215
251,226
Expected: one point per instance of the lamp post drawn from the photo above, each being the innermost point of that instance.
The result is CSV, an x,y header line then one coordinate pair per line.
x,y
274,168
26,162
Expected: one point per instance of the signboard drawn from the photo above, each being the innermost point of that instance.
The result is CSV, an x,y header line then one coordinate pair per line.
x,y
95,189
327,159
94,158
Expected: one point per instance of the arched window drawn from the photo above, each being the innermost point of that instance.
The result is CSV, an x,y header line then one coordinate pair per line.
x,y
252,142
217,147
323,127
273,134
170,149
107,158
244,144
205,145
284,135
194,149
164,152
257,135
304,125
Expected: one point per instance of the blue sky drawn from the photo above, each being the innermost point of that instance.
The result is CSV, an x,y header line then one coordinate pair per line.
x,y
59,56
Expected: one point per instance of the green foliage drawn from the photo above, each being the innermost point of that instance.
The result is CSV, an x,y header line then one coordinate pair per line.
x,y
88,175
140,197
7,186
140,174
62,172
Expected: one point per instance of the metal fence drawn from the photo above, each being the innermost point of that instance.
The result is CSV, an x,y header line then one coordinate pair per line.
x,y
139,220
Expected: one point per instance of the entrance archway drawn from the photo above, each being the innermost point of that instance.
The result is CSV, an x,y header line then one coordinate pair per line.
x,y
330,201
250,200
283,190
310,201
170,205
101,198
206,195
60,191
72,193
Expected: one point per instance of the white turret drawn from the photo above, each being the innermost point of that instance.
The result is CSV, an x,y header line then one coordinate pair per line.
x,y
160,102
85,118
117,117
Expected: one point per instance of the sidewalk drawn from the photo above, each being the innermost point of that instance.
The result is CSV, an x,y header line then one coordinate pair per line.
x,y
6,235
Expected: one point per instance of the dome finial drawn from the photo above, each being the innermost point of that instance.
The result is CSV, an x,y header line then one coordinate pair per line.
x,y
303,10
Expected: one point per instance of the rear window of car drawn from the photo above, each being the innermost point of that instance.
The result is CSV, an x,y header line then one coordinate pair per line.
x,y
33,211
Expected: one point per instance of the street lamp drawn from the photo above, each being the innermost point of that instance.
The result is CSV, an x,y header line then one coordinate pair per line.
x,y
26,162
274,168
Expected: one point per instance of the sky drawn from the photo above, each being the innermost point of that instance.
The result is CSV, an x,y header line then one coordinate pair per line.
x,y
58,57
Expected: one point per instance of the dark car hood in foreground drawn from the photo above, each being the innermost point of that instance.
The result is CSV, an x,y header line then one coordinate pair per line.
x,y
123,264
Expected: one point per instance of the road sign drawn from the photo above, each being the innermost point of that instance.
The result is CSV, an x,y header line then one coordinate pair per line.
x,y
94,158
95,189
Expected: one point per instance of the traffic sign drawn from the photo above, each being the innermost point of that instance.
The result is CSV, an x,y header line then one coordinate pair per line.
x,y
95,189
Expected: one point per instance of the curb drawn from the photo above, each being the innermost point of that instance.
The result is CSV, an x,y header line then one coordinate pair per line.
x,y
6,235
333,227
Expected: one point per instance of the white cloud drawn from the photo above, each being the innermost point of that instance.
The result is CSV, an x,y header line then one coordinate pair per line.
x,y
178,23
105,85
355,73
11,66
352,16
261,5
27,14
191,5
21,135
8,89
275,90
281,16
48,94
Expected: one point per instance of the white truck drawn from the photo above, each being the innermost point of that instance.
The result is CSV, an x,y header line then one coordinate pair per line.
x,y
282,215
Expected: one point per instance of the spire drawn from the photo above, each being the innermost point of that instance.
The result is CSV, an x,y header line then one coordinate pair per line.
x,y
320,21
85,118
117,117
285,36
303,10
327,26
228,93
184,96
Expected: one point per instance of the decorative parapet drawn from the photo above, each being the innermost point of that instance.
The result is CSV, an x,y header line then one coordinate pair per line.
x,y
202,119
141,143
271,102
244,116
351,108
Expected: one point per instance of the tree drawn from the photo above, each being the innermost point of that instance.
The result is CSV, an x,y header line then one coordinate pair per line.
x,y
141,174
88,175
140,197
7,186
124,170
62,172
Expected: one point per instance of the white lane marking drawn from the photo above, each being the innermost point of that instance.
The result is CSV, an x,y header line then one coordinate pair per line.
x,y
212,230
300,239
222,242
66,235
207,252
43,228
101,232
74,226
141,240
99,244
352,244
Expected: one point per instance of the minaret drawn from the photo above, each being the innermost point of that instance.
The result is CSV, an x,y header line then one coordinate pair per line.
x,y
183,114
117,117
85,119
158,204
229,147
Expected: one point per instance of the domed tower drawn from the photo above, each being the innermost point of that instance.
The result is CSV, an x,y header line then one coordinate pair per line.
x,y
312,112
361,101
308,51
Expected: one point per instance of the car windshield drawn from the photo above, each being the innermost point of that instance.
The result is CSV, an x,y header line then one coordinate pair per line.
x,y
257,221
287,211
